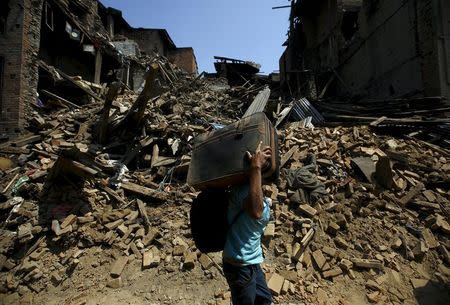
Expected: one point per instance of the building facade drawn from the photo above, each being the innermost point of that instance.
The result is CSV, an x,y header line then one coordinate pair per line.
x,y
75,38
371,48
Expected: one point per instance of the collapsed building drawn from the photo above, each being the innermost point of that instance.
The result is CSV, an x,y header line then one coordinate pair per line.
x,y
94,202
45,43
374,49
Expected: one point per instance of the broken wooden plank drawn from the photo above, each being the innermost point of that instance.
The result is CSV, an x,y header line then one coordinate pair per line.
x,y
378,121
135,115
113,91
143,213
10,183
26,140
14,150
411,194
60,99
113,194
143,191
288,155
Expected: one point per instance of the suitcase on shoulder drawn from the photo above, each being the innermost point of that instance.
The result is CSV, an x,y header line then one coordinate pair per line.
x,y
219,157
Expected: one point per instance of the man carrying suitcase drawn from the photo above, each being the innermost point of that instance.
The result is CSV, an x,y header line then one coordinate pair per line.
x,y
248,213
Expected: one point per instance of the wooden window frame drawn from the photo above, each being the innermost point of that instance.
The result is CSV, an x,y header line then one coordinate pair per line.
x,y
49,16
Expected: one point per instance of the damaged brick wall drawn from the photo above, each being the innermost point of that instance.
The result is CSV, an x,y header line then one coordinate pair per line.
x,y
185,59
11,50
149,40
31,42
385,60
18,47
379,49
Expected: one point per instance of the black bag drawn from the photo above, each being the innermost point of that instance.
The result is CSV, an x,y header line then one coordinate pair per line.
x,y
209,225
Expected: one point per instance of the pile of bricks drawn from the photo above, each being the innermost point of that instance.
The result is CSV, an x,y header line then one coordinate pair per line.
x,y
385,207
362,230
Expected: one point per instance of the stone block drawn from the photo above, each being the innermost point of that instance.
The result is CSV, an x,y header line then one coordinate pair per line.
x,y
275,284
118,266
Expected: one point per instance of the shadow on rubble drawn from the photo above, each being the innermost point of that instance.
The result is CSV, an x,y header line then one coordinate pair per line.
x,y
433,293
63,194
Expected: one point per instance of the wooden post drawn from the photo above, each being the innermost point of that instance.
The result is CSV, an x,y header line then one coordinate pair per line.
x,y
136,113
128,75
98,66
111,95
110,26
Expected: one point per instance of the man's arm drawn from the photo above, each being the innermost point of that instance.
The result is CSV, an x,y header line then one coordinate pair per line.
x,y
254,202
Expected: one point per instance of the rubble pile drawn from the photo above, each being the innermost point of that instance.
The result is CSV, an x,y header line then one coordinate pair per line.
x,y
350,205
386,215
62,191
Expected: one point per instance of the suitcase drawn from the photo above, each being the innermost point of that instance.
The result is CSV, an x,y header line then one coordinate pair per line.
x,y
219,157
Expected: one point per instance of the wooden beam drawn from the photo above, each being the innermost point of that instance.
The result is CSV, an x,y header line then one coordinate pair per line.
x,y
143,191
60,99
98,66
111,95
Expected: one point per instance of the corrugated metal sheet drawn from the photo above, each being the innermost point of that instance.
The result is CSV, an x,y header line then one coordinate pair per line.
x,y
259,103
303,109
300,110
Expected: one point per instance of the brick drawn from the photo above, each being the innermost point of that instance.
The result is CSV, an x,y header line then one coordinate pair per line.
x,y
205,261
442,224
332,273
150,260
374,297
351,274
367,263
122,229
178,250
419,283
113,225
444,252
114,283
135,250
371,284
411,194
333,228
2,261
341,243
340,220
151,235
276,283
429,195
319,259
330,207
85,219
68,221
396,244
56,278
118,266
285,287
269,232
329,251
189,260
345,264
307,210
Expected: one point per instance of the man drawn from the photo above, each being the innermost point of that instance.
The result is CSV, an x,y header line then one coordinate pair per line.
x,y
248,215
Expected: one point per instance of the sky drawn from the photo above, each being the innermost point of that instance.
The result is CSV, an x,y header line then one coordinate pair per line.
x,y
242,29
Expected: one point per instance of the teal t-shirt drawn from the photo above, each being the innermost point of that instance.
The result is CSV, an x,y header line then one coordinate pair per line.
x,y
243,243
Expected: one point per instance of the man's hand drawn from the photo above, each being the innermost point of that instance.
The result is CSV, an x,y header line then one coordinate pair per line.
x,y
254,203
260,158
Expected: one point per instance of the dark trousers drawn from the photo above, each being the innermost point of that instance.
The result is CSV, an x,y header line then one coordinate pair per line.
x,y
247,284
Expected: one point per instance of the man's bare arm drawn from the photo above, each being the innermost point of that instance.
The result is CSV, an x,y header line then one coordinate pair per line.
x,y
254,203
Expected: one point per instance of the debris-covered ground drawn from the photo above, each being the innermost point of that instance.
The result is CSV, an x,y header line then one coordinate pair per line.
x,y
94,206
